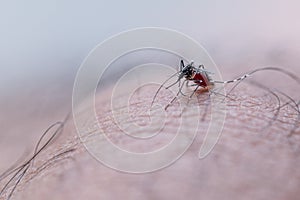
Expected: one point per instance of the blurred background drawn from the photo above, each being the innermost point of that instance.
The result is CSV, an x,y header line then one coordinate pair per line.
x,y
42,44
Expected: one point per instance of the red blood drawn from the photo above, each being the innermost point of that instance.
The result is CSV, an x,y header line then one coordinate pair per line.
x,y
201,80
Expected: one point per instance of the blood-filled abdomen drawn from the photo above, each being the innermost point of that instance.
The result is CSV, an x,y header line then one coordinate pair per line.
x,y
201,80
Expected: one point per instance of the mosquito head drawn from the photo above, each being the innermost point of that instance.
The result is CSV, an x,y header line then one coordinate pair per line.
x,y
188,71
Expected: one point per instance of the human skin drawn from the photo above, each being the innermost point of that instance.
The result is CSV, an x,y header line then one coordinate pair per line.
x,y
250,160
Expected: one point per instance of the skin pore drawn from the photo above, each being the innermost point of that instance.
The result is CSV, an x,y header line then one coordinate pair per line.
x,y
252,160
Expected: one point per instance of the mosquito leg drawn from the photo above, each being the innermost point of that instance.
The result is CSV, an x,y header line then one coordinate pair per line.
x,y
179,83
160,87
220,94
187,83
182,93
240,79
180,88
167,106
179,91
190,97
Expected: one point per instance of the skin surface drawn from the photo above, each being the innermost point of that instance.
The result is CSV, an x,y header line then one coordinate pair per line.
x,y
249,161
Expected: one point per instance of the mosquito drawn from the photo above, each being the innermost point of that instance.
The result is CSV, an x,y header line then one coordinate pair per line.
x,y
200,77
203,81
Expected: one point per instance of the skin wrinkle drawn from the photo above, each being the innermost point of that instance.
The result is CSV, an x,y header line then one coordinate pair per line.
x,y
244,162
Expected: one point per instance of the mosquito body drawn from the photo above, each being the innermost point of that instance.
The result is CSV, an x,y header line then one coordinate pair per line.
x,y
198,75
189,73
